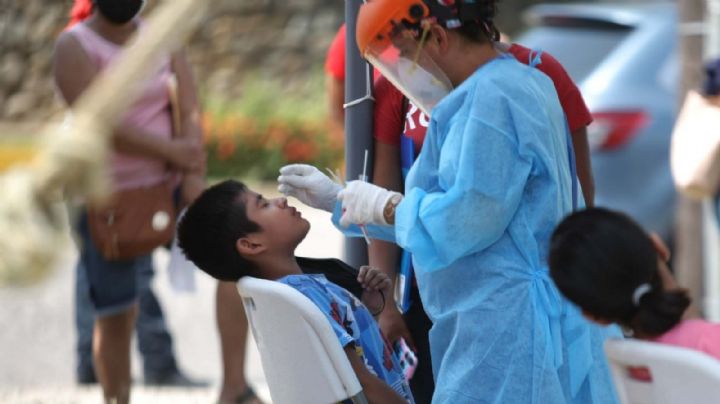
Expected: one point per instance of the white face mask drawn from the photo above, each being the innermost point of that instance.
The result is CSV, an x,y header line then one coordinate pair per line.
x,y
424,88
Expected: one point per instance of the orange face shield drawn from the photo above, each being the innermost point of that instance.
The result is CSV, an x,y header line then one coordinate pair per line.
x,y
388,39
378,19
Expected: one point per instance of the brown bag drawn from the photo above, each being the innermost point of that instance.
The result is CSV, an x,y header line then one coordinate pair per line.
x,y
133,223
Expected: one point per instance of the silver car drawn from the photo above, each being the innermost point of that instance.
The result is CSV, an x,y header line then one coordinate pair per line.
x,y
624,59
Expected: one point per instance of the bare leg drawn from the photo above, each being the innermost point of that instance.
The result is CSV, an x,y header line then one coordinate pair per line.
x,y
111,351
233,327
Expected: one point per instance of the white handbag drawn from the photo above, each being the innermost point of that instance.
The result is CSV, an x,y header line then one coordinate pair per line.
x,y
695,148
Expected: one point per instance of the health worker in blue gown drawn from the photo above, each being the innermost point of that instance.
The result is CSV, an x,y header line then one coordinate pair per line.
x,y
493,179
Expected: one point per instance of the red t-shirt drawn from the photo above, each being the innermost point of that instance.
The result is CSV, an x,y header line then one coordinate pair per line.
x,y
394,115
335,59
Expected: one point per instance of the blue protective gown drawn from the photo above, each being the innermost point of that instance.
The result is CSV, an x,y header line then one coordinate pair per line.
x,y
481,202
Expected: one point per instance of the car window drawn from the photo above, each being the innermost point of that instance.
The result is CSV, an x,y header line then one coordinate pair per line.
x,y
578,49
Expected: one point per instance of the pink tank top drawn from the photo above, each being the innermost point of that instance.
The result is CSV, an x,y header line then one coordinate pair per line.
x,y
151,113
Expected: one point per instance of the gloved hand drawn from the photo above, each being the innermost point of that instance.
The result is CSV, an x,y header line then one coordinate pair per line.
x,y
364,203
309,185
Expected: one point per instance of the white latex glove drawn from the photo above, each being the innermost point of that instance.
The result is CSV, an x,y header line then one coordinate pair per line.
x,y
364,203
309,185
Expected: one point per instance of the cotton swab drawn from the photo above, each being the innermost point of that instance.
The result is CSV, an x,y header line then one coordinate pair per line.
x,y
337,177
364,178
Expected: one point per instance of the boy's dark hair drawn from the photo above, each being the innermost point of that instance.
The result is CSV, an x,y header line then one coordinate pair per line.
x,y
210,228
598,258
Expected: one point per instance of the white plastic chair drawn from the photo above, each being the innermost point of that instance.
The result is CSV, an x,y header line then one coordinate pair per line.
x,y
300,354
653,373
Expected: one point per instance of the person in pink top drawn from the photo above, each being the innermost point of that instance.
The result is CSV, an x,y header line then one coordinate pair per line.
x,y
145,153
617,273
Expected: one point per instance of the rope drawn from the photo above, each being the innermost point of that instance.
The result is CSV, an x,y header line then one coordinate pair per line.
x,y
72,162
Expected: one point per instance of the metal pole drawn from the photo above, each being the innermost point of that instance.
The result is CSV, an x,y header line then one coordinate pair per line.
x,y
711,48
711,234
358,120
688,254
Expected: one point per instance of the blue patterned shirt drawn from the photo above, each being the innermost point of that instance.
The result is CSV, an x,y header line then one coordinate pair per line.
x,y
353,324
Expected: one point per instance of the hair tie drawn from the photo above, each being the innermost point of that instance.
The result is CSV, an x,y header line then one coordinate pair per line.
x,y
639,292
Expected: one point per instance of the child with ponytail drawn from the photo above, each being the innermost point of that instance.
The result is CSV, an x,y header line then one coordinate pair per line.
x,y
615,272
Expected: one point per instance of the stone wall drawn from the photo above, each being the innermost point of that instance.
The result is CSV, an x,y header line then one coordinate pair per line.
x,y
27,31
277,39
282,40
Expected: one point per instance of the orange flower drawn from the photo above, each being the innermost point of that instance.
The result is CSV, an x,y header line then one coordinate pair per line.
x,y
277,134
312,128
226,148
246,127
335,136
207,123
298,150
229,128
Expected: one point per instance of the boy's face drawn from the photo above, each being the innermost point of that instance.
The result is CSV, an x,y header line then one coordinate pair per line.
x,y
282,227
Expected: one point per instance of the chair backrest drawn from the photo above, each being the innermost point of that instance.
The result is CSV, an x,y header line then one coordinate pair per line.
x,y
648,372
300,354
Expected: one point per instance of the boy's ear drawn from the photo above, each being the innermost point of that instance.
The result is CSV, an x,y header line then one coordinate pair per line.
x,y
249,246
595,319
662,249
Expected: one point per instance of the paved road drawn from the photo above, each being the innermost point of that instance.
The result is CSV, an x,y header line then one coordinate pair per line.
x,y
36,342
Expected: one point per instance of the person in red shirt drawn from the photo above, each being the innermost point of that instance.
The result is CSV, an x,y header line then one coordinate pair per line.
x,y
395,116
390,115
335,80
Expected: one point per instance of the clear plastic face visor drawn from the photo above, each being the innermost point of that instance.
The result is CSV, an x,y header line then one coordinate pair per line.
x,y
409,68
